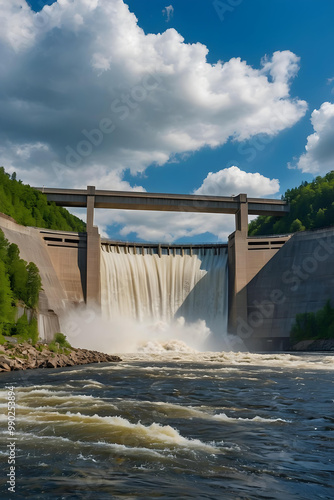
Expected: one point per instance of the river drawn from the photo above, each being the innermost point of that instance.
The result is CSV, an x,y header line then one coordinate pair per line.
x,y
174,424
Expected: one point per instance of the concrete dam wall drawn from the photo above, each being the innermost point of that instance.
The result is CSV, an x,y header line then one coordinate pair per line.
x,y
32,249
298,279
271,279
60,265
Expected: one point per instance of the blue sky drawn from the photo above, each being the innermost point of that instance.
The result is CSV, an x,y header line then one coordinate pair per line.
x,y
194,107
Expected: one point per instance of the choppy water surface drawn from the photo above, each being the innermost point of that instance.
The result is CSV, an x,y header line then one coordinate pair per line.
x,y
171,425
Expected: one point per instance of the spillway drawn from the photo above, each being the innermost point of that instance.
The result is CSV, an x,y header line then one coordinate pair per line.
x,y
160,284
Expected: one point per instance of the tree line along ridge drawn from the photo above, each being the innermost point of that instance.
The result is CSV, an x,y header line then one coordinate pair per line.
x,y
311,207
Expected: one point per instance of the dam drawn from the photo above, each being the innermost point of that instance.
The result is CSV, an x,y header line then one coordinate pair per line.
x,y
228,286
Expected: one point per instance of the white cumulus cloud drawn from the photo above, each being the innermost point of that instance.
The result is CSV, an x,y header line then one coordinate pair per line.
x,y
319,155
87,94
235,181
17,26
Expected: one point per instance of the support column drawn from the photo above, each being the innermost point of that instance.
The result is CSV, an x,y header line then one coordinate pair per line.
x,y
237,258
241,217
90,207
93,280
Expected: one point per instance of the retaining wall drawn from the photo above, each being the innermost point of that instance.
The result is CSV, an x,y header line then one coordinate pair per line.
x,y
298,279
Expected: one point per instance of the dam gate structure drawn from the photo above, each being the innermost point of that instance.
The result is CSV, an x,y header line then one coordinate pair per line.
x,y
77,257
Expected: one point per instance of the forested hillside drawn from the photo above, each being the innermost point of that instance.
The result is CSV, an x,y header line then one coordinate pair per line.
x,y
313,326
30,207
20,283
312,207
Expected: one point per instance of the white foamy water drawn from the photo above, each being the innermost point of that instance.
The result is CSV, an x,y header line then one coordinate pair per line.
x,y
156,300
153,303
170,422
238,360
116,430
152,287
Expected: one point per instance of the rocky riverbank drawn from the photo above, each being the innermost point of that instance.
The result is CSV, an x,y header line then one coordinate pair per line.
x,y
25,357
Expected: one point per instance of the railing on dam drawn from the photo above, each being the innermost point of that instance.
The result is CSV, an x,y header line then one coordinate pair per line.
x,y
160,248
54,238
270,242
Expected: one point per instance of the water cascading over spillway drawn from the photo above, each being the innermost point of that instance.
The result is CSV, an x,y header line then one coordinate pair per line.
x,y
150,287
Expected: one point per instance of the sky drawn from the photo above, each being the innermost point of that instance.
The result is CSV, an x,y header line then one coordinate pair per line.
x,y
215,97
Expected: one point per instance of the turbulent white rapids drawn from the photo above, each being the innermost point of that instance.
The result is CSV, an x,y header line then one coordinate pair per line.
x,y
174,425
162,290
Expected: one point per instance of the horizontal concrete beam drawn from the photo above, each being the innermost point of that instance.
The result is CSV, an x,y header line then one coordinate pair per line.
x,y
258,206
106,241
165,202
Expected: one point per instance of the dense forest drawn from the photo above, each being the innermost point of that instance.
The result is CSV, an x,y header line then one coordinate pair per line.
x,y
311,207
30,207
20,284
313,326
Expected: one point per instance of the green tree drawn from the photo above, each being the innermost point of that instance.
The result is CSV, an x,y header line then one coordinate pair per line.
x,y
33,331
31,208
314,325
296,226
19,281
21,328
312,204
3,247
60,338
33,285
6,298
320,218
18,275
25,330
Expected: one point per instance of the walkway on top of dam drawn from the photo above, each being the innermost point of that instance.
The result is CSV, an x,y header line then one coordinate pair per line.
x,y
164,202
241,206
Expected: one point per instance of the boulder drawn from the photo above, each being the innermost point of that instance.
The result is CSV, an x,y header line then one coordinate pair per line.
x,y
41,363
7,361
73,356
4,367
18,364
62,360
51,363
31,364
